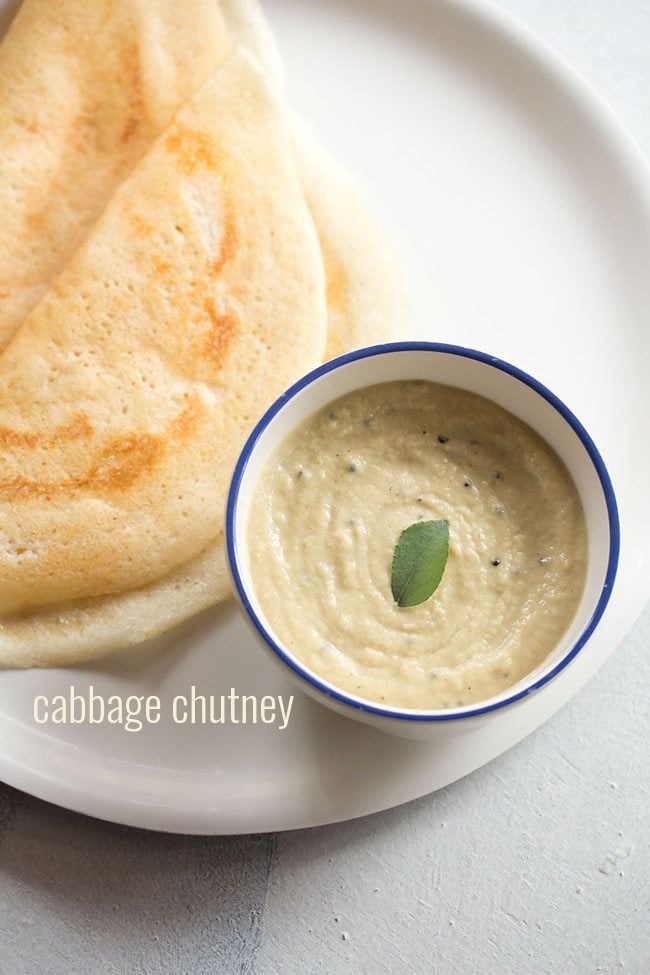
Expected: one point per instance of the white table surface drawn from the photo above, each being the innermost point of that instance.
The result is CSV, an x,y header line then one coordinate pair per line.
x,y
537,863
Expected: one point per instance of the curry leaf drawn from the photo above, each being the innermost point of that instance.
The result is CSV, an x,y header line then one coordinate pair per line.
x,y
419,561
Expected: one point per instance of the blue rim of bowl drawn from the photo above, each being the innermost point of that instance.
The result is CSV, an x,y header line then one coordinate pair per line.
x,y
450,714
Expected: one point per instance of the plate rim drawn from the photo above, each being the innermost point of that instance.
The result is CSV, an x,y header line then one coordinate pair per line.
x,y
132,811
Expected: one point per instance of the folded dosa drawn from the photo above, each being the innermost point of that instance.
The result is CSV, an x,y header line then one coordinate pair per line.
x,y
365,304
84,90
89,628
128,391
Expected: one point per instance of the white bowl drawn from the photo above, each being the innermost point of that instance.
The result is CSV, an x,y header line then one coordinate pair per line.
x,y
478,373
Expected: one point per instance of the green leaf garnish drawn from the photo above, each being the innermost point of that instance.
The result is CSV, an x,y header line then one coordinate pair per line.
x,y
419,561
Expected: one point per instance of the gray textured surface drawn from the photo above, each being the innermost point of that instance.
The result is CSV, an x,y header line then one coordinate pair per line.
x,y
536,864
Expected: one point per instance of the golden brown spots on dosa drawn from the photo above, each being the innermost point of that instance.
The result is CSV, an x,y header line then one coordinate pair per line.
x,y
130,129
228,239
189,418
123,461
223,329
193,310
141,227
137,105
162,268
119,464
26,124
76,429
193,148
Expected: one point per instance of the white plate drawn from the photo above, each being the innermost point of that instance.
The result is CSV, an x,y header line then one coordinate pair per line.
x,y
521,212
